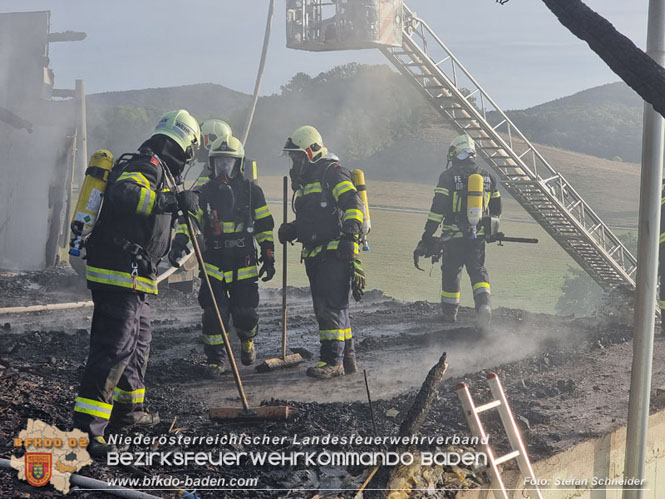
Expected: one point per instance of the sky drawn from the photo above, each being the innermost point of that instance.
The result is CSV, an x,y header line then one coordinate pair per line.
x,y
518,52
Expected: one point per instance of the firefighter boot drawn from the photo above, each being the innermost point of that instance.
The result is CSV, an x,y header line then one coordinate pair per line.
x,y
248,352
323,370
349,363
145,419
215,370
449,313
483,311
98,448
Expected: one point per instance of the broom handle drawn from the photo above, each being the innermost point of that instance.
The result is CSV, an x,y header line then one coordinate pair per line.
x,y
284,266
202,266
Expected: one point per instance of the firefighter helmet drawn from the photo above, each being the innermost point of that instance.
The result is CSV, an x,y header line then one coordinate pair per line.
x,y
226,157
181,126
461,148
213,129
308,140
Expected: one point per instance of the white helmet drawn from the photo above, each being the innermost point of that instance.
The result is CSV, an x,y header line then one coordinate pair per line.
x,y
461,148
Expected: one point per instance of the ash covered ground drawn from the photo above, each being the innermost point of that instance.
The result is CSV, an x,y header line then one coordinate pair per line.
x,y
567,379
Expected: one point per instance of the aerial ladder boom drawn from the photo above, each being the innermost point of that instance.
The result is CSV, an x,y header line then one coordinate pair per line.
x,y
543,192
420,55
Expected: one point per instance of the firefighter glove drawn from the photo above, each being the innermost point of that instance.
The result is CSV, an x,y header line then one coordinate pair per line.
x,y
178,249
421,249
268,265
357,280
287,232
347,247
188,202
166,202
426,242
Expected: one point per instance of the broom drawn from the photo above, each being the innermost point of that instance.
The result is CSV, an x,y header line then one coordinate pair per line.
x,y
228,413
295,358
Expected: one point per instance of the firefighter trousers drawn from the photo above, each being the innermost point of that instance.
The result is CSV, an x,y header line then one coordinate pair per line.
x,y
330,284
470,253
237,300
112,388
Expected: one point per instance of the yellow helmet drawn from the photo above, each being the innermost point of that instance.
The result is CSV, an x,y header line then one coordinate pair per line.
x,y
308,140
223,150
213,129
183,128
461,148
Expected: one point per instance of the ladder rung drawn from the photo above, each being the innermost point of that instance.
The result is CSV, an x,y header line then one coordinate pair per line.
x,y
507,457
488,406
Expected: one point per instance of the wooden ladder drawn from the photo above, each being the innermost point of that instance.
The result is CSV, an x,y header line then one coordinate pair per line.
x,y
518,452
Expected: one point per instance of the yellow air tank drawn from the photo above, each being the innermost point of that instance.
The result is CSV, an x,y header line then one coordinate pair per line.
x,y
474,201
359,182
90,199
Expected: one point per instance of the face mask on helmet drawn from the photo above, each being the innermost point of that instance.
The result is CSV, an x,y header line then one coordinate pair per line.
x,y
298,163
466,153
208,140
223,165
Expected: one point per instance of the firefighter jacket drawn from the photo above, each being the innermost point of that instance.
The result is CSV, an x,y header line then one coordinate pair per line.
x,y
450,196
232,216
327,205
130,238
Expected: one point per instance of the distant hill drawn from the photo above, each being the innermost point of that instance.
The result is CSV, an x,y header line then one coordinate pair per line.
x,y
603,121
203,99
120,121
373,119
358,109
611,188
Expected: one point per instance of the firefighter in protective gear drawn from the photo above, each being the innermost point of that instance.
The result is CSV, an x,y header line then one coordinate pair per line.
x,y
211,130
467,244
233,214
131,236
328,220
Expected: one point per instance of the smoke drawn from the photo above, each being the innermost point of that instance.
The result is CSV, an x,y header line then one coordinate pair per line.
x,y
469,351
359,110
37,166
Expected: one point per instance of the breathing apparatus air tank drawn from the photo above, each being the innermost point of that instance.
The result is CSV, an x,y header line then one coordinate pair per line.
x,y
359,182
90,199
474,202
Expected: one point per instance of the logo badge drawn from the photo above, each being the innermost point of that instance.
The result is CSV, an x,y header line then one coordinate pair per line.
x,y
38,468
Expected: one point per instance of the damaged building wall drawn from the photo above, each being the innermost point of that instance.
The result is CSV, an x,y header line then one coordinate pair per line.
x,y
33,196
36,147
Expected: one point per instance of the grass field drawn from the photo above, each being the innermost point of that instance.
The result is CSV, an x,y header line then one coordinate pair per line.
x,y
524,276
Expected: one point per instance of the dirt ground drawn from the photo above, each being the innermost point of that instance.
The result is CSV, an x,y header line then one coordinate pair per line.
x,y
566,378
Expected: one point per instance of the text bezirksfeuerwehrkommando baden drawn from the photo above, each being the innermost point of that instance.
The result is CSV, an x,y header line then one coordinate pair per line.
x,y
295,439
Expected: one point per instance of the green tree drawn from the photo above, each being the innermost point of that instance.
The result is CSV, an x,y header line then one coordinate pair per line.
x,y
580,295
